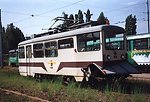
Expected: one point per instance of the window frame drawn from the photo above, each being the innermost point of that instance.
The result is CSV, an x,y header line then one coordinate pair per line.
x,y
87,47
66,43
141,44
41,50
53,50
28,51
22,52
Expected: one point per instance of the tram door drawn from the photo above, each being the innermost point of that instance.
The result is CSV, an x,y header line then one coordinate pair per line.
x,y
28,59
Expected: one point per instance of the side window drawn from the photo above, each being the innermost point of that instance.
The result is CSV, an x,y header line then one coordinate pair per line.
x,y
38,51
65,43
88,42
140,44
51,49
21,52
28,51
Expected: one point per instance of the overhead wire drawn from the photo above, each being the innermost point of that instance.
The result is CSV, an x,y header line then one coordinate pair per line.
x,y
138,19
41,14
12,12
60,8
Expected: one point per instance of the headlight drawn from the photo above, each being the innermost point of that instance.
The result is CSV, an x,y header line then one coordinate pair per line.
x,y
108,57
122,56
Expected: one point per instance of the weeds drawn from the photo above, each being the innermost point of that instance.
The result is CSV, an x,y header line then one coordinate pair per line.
x,y
138,98
53,90
45,86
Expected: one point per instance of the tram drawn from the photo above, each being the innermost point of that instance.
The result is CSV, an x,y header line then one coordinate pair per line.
x,y
13,57
138,47
97,51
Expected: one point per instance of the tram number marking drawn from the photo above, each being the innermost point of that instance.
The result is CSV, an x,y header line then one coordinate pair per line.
x,y
51,62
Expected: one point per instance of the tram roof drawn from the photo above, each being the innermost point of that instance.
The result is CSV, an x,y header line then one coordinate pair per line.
x,y
66,34
138,36
14,50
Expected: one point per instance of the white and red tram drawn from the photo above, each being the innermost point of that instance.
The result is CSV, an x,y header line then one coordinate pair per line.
x,y
98,50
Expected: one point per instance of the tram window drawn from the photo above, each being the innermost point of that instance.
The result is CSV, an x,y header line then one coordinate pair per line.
x,y
140,44
51,49
88,42
13,53
128,45
65,43
38,51
28,51
114,41
21,52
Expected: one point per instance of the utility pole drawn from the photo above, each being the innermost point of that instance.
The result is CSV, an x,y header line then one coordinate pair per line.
x,y
148,21
1,59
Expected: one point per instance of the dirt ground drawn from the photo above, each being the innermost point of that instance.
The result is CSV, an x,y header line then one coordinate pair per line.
x,y
13,96
9,97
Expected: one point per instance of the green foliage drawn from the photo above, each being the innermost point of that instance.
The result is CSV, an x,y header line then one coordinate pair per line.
x,y
76,18
54,91
65,23
11,37
130,25
80,17
101,19
44,86
71,20
88,15
138,98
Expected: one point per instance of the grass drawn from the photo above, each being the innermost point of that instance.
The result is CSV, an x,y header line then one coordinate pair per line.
x,y
56,92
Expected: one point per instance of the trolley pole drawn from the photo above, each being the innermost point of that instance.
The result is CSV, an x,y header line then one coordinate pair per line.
x,y
148,17
1,59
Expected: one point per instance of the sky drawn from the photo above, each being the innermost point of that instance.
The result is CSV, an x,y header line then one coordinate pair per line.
x,y
36,16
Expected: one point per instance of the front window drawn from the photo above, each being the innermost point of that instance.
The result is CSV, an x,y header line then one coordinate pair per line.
x,y
114,41
88,42
13,54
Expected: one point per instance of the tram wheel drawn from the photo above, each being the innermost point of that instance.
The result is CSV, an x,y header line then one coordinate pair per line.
x,y
68,79
89,79
38,77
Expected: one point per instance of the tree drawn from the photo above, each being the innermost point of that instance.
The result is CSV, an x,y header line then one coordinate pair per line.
x,y
80,17
71,20
88,15
65,23
12,37
76,18
101,19
107,21
130,26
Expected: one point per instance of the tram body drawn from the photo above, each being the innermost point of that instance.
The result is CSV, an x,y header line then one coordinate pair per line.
x,y
98,50
13,57
138,47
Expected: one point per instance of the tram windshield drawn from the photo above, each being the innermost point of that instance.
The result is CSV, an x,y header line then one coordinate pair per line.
x,y
12,53
113,38
115,42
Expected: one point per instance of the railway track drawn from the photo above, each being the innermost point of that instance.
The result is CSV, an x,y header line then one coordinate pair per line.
x,y
140,77
34,99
